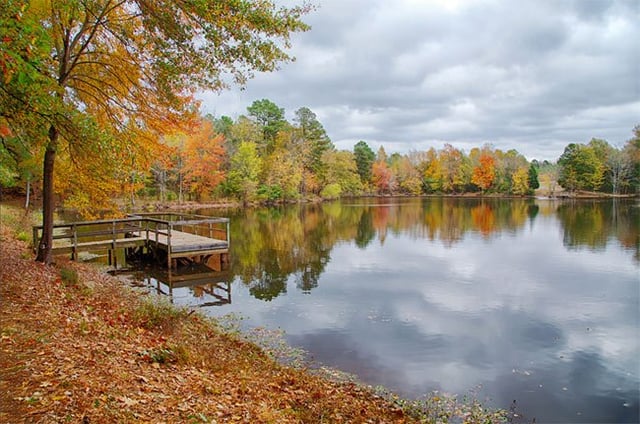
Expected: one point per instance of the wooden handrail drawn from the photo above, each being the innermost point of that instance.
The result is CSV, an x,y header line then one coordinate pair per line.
x,y
131,224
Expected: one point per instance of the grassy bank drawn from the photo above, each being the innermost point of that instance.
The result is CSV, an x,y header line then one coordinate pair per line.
x,y
78,346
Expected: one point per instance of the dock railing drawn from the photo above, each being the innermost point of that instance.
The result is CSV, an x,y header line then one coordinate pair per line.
x,y
135,230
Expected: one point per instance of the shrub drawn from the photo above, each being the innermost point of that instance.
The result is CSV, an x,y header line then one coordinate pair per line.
x,y
22,236
69,277
331,191
270,193
152,313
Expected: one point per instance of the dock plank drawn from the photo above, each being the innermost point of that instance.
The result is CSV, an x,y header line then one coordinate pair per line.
x,y
182,242
88,246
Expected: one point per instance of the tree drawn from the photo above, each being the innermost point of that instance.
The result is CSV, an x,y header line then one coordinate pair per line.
x,y
282,171
433,174
314,135
382,177
533,176
204,153
485,172
119,73
245,169
270,118
548,176
407,175
580,168
364,160
507,163
341,170
520,182
632,152
454,166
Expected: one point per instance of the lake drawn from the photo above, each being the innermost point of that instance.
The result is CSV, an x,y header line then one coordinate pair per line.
x,y
529,300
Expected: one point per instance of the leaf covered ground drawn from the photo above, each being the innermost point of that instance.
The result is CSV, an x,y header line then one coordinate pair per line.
x,y
77,346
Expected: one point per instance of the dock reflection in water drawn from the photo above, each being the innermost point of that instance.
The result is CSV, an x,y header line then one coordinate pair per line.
x,y
202,285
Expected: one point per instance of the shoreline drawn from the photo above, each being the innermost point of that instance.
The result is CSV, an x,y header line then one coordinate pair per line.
x,y
95,350
190,205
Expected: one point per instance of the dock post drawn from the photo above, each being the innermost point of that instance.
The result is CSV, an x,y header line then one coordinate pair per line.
x,y
74,250
169,246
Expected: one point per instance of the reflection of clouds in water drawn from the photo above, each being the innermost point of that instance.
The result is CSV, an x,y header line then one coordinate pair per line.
x,y
429,330
520,314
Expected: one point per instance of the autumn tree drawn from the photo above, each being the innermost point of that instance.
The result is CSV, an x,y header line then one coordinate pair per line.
x,y
244,171
548,176
580,168
283,168
520,182
382,177
119,73
433,173
407,175
341,173
455,169
507,163
203,156
632,153
485,172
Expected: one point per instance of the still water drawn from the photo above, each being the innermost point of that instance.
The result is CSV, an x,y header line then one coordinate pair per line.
x,y
529,300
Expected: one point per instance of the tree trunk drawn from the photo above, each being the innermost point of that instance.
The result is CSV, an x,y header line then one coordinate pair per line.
x,y
46,242
26,202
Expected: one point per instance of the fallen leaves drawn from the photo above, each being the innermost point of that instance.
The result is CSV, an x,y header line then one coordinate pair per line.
x,y
96,352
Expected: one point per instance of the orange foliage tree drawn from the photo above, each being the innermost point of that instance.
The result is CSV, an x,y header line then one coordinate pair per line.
x,y
485,172
203,157
382,177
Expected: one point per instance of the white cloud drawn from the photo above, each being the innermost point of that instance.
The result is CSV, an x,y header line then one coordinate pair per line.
x,y
530,75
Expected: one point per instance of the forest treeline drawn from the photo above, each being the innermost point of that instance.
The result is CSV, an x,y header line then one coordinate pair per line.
x,y
263,157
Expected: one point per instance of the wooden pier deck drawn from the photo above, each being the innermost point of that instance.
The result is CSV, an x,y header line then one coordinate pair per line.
x,y
167,237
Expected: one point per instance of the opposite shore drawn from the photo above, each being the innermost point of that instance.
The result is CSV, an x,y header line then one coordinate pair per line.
x,y
150,206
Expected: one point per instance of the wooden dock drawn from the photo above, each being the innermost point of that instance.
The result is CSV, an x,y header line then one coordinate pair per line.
x,y
173,238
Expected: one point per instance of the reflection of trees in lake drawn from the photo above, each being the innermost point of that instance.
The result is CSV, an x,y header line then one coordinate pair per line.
x,y
593,223
274,246
271,245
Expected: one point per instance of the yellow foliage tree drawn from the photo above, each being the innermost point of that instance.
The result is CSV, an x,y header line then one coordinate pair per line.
x,y
116,74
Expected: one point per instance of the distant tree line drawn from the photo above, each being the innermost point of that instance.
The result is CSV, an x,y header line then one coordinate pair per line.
x,y
261,156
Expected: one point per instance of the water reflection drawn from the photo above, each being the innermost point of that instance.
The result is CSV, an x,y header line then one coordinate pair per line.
x,y
272,245
593,224
534,300
205,286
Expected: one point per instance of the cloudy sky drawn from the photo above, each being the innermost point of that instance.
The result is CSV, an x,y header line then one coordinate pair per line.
x,y
412,74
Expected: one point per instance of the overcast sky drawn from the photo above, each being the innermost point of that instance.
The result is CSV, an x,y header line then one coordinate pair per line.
x,y
412,74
